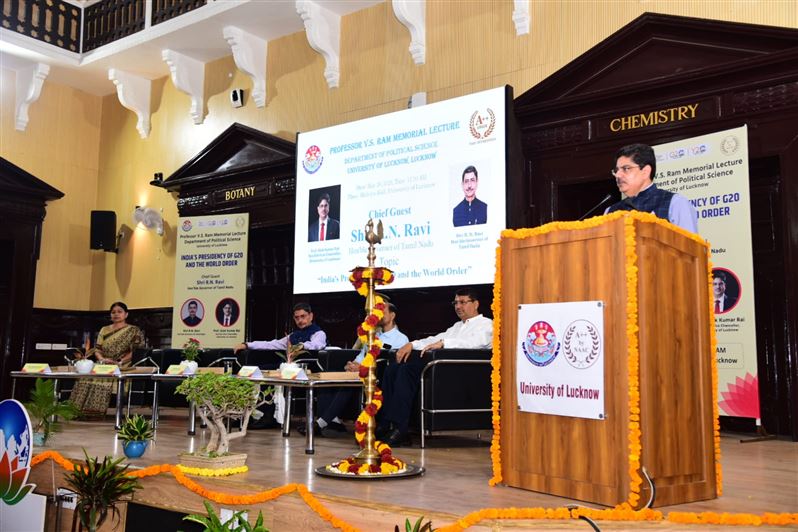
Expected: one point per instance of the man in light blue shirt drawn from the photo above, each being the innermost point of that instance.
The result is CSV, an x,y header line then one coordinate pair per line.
x,y
333,402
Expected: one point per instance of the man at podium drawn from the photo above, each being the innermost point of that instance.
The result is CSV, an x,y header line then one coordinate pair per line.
x,y
634,171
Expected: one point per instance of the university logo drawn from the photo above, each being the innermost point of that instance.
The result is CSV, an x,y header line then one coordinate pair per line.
x,y
482,125
581,344
313,159
15,452
540,345
729,145
186,225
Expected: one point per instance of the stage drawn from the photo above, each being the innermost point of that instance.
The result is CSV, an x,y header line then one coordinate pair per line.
x,y
757,478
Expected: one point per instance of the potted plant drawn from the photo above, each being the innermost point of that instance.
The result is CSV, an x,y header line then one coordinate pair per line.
x,y
99,486
219,398
191,351
43,407
136,433
237,522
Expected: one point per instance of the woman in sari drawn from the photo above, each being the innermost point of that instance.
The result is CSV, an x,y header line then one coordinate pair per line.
x,y
115,345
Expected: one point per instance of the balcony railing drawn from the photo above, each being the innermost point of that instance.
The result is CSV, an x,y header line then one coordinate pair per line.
x,y
51,21
58,23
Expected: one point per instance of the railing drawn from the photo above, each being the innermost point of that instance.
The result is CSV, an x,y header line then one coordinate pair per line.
x,y
111,20
163,10
52,21
59,23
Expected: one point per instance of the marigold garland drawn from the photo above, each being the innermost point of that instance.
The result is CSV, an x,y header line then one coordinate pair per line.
x,y
389,464
495,374
623,513
208,472
633,364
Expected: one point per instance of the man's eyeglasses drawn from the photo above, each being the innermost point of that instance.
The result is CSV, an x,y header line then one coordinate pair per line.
x,y
461,302
623,169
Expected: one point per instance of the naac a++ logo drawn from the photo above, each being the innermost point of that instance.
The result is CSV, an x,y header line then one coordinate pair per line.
x,y
540,345
729,145
312,160
581,344
482,124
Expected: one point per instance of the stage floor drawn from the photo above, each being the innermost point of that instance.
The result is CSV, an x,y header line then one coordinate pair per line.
x,y
757,477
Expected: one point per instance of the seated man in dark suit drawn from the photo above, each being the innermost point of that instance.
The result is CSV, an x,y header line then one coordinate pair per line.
x,y
325,228
401,380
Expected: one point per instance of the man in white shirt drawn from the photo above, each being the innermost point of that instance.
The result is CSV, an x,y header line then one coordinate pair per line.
x,y
401,380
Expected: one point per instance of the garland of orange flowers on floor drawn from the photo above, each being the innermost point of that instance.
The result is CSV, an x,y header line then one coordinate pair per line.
x,y
388,463
632,328
464,522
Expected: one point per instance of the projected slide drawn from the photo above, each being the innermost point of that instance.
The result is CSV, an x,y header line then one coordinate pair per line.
x,y
434,175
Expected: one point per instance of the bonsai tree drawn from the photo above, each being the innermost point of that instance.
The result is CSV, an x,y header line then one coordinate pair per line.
x,y
213,523
99,487
222,397
44,405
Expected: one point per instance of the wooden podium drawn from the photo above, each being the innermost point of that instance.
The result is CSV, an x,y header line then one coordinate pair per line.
x,y
589,459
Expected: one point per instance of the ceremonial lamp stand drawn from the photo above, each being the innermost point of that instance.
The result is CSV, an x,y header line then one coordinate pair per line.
x,y
375,459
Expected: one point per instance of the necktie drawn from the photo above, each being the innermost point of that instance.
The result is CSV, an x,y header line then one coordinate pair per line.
x,y
227,322
717,306
321,231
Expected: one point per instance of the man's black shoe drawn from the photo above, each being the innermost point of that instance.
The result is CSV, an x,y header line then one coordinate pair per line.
x,y
397,439
317,430
382,432
263,424
335,426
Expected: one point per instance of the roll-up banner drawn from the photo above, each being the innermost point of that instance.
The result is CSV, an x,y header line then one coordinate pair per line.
x,y
211,280
712,172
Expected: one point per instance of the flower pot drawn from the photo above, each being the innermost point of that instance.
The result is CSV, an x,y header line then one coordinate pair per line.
x,y
39,439
191,366
134,449
84,366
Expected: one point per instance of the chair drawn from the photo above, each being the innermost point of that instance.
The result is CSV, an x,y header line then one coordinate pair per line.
x,y
455,391
141,358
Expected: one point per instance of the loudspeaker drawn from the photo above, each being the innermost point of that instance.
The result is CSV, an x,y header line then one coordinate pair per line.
x,y
103,230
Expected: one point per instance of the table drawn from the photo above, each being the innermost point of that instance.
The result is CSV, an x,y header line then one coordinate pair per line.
x,y
138,373
192,408
317,380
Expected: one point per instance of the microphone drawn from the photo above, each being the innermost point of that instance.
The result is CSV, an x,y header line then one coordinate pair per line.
x,y
600,204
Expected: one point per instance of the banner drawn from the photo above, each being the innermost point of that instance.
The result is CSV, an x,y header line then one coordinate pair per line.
x,y
712,172
211,280
560,359
434,175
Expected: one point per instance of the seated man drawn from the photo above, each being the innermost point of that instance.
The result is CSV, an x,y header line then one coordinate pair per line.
x,y
308,334
401,380
333,402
